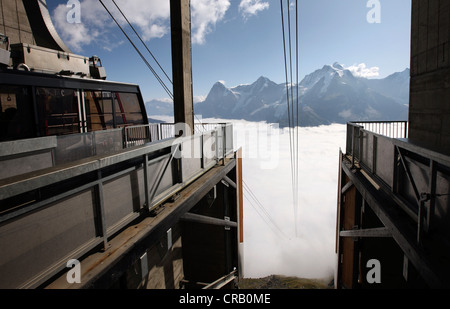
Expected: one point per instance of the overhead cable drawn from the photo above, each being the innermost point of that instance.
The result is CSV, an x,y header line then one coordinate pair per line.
x,y
287,85
140,54
142,41
292,102
262,211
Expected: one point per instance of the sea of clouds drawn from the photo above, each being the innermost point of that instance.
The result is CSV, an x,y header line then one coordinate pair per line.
x,y
280,237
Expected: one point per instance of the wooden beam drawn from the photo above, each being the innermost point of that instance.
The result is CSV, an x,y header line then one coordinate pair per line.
x,y
230,182
375,232
180,20
240,194
207,220
347,186
221,282
240,217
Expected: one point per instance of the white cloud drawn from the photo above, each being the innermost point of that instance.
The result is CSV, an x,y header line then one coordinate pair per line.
x,y
151,18
199,98
268,250
205,14
77,35
252,7
361,70
311,253
96,24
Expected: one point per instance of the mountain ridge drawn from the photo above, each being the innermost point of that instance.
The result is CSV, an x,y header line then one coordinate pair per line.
x,y
328,95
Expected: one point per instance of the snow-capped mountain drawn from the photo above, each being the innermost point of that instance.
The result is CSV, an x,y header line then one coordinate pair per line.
x,y
395,86
337,96
160,107
258,101
324,75
331,94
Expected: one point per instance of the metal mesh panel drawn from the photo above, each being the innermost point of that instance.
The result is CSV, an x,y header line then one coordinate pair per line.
x,y
74,147
108,142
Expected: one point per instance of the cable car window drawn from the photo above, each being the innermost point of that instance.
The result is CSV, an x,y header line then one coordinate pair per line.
x,y
58,111
99,111
128,109
119,110
16,113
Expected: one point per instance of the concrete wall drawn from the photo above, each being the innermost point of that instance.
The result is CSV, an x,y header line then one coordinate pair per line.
x,y
14,22
29,22
429,111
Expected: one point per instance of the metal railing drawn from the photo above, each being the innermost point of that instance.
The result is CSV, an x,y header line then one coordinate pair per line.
x,y
63,210
142,134
415,177
73,147
356,130
393,129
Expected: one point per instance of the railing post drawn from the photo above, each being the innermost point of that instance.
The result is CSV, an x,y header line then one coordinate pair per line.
x,y
158,130
124,134
146,185
102,210
360,137
353,145
217,146
419,222
224,143
432,191
374,154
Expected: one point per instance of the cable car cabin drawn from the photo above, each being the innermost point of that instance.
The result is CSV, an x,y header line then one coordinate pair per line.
x,y
84,177
38,105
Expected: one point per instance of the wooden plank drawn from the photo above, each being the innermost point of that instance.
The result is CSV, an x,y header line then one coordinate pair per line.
x,y
348,245
191,217
240,195
339,202
375,232
221,282
240,214
347,186
167,271
229,181
180,18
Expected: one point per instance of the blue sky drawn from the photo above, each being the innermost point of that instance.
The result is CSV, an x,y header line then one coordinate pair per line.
x,y
236,41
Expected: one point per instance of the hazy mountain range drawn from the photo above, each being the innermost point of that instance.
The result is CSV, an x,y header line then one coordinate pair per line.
x,y
331,94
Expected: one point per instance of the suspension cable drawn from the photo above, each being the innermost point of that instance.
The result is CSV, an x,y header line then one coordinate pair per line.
x,y
293,110
142,41
287,85
267,218
140,54
297,105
